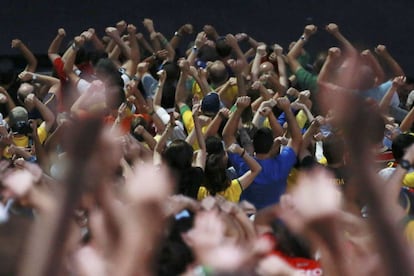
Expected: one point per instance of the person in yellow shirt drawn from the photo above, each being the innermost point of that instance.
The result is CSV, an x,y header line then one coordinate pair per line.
x,y
216,180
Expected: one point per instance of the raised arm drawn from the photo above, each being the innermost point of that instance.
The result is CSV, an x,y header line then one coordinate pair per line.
x,y
183,30
329,66
201,153
47,114
27,54
296,50
254,167
386,100
373,63
294,130
167,46
135,56
70,55
149,25
229,132
53,51
40,78
333,29
396,69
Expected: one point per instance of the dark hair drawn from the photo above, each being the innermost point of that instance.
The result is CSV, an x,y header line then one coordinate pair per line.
x,y
319,61
215,176
168,95
400,143
289,243
138,121
179,155
222,48
263,140
214,145
334,149
174,255
217,75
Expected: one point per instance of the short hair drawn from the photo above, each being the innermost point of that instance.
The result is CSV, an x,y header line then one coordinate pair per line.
x,y
263,140
400,144
333,149
222,48
217,73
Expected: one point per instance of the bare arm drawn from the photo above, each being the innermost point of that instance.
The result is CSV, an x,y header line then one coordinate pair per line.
x,y
167,46
296,50
149,25
396,69
295,133
230,129
254,167
373,63
386,100
27,54
333,29
53,51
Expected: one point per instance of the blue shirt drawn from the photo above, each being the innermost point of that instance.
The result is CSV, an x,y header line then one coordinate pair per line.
x,y
270,184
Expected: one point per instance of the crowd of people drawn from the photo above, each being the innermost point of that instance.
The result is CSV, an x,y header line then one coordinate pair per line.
x,y
139,155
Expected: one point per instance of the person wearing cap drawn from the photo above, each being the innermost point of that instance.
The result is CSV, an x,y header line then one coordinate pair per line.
x,y
20,125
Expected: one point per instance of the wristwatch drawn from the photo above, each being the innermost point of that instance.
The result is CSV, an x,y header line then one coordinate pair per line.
x,y
405,164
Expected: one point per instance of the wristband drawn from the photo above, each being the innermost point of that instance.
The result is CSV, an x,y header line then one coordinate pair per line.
x,y
74,47
405,164
303,38
34,77
195,49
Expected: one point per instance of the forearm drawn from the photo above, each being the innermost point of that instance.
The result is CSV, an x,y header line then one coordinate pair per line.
x,y
55,45
214,126
230,129
393,64
408,121
241,85
277,129
296,50
123,46
377,69
167,46
293,128
151,142
158,95
30,58
97,43
44,79
180,93
281,66
386,100
144,43
46,113
256,66
199,134
160,146
346,44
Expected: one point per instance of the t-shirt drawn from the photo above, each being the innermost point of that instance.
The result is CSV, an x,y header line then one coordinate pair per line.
x,y
232,193
306,80
270,184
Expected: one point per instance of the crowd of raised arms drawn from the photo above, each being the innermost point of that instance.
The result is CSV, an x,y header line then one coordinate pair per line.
x,y
231,157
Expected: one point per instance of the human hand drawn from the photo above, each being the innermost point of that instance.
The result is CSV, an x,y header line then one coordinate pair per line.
x,y
184,66
235,148
79,41
236,65
261,50
16,43
201,39
283,104
282,140
231,41
131,29
241,36
332,28
310,30
61,32
224,112
26,76
334,52
162,74
277,49
121,26
398,81
243,102
210,31
186,29
149,25
112,32
381,49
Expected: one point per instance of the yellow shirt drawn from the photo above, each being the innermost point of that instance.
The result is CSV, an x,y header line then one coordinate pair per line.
x,y
232,193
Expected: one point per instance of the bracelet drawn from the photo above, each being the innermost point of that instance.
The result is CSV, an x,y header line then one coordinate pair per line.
x,y
241,155
74,47
303,38
34,77
195,49
164,41
177,34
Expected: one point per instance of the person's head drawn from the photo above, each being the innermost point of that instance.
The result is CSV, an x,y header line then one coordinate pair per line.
x,y
222,48
216,179
19,121
334,149
262,140
179,155
400,144
266,68
22,92
217,73
210,104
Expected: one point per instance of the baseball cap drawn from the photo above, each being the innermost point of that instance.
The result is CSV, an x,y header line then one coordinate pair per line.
x,y
210,104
